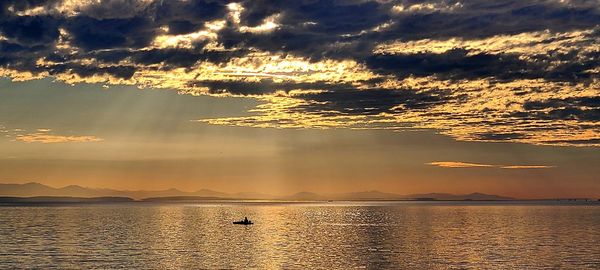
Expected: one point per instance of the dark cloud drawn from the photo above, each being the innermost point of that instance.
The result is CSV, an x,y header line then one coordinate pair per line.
x,y
180,57
9,48
115,37
31,30
575,142
108,31
262,87
192,11
593,102
464,64
326,16
371,101
324,29
576,108
454,64
314,29
480,19
337,98
177,27
572,66
91,34
500,136
568,113
343,29
21,5
123,72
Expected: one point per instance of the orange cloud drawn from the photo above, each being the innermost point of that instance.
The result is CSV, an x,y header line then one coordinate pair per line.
x,y
46,138
459,164
527,167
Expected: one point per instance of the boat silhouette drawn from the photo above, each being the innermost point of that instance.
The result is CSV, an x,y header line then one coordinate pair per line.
x,y
245,221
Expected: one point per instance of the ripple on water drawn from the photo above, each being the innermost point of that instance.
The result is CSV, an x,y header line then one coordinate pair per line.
x,y
315,236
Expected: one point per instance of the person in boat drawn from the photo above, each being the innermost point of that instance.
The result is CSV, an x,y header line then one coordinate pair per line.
x,y
245,219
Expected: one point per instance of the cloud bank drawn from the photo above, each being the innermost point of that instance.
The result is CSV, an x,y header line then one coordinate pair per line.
x,y
517,71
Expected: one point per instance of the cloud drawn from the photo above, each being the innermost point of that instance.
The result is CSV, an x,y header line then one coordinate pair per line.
x,y
456,64
459,164
527,167
91,34
43,137
580,108
514,71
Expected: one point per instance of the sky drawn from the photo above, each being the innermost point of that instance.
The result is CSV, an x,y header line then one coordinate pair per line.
x,y
278,97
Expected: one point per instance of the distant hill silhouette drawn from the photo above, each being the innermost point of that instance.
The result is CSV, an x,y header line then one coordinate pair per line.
x,y
181,199
56,199
37,190
369,195
304,196
472,196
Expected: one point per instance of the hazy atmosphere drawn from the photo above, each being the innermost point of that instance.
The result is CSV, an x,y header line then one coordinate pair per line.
x,y
125,138
318,96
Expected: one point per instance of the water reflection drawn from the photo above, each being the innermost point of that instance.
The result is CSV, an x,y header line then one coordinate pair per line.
x,y
326,236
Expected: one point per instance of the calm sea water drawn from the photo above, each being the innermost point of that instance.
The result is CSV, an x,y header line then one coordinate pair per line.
x,y
397,235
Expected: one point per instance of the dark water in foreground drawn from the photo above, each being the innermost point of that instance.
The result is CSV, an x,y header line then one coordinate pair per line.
x,y
398,235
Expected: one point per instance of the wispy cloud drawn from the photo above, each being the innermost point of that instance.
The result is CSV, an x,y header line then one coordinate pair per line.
x,y
459,164
47,138
527,167
44,135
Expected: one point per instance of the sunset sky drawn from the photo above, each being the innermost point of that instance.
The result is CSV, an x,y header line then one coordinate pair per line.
x,y
278,97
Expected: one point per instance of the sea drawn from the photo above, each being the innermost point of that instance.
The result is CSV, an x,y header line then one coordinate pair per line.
x,y
300,235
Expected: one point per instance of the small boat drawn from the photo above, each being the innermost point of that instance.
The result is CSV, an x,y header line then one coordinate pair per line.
x,y
241,222
245,221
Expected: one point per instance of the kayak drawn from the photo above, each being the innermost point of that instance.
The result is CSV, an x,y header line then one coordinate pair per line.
x,y
243,223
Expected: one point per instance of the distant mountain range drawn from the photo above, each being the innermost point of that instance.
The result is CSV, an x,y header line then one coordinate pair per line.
x,y
59,199
37,189
40,190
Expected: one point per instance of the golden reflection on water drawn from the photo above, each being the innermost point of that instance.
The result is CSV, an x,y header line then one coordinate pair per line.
x,y
300,236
